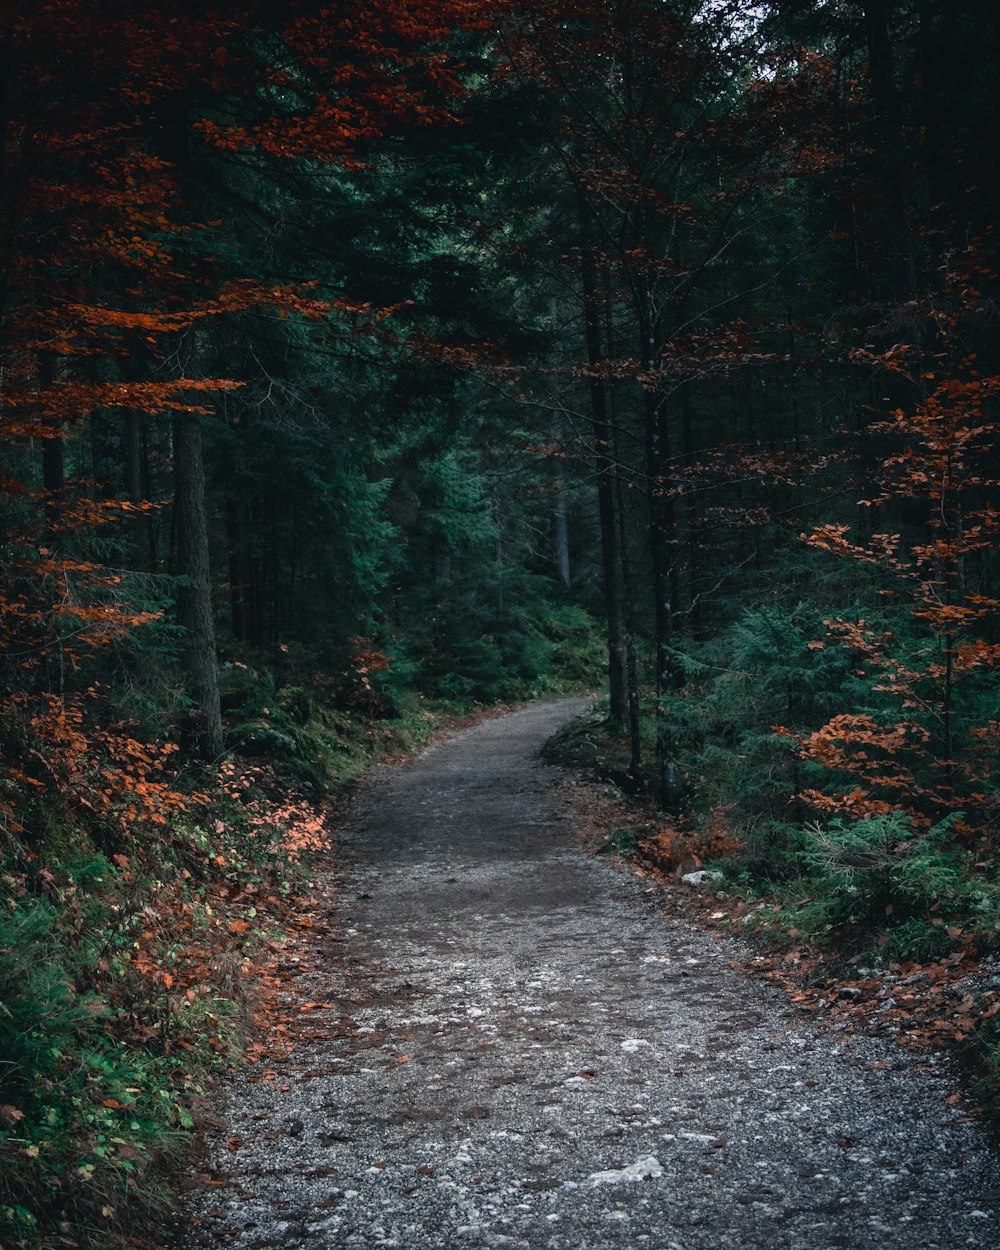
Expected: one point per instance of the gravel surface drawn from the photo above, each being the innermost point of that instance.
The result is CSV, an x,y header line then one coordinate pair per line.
x,y
528,1054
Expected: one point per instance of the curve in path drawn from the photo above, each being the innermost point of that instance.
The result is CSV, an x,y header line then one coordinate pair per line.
x,y
542,1060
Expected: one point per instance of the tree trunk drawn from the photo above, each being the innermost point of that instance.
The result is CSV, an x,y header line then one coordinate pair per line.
x,y
194,598
53,461
892,164
560,518
662,536
237,586
631,666
54,480
254,580
143,536
693,523
607,510
931,136
54,497
628,588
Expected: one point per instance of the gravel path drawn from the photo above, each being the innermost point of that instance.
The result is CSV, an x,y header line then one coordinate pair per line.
x,y
540,1059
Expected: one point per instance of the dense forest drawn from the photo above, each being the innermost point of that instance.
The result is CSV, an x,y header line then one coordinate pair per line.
x,y
362,363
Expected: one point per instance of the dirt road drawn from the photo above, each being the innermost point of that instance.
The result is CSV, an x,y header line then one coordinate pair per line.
x,y
529,1055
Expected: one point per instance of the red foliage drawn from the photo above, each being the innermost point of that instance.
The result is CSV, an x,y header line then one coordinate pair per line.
x,y
942,457
105,267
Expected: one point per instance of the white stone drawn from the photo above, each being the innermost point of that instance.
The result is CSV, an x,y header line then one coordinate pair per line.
x,y
647,1167
702,876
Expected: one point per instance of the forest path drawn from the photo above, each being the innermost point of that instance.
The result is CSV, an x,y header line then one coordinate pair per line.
x,y
528,1054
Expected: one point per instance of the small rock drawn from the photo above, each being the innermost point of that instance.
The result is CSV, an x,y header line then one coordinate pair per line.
x,y
702,877
648,1167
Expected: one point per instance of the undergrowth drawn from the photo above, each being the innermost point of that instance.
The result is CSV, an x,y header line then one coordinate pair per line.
x,y
883,891
135,915
125,982
881,884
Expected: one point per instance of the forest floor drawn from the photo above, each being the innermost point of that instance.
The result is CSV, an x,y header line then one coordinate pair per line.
x,y
498,1039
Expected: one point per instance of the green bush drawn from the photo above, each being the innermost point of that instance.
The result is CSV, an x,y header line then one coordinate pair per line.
x,y
883,863
885,878
83,1113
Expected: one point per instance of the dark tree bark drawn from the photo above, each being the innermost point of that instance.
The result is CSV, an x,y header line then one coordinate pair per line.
x,y
194,598
54,484
893,165
631,664
53,459
53,479
627,583
693,522
237,569
930,105
607,508
137,491
560,512
662,553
